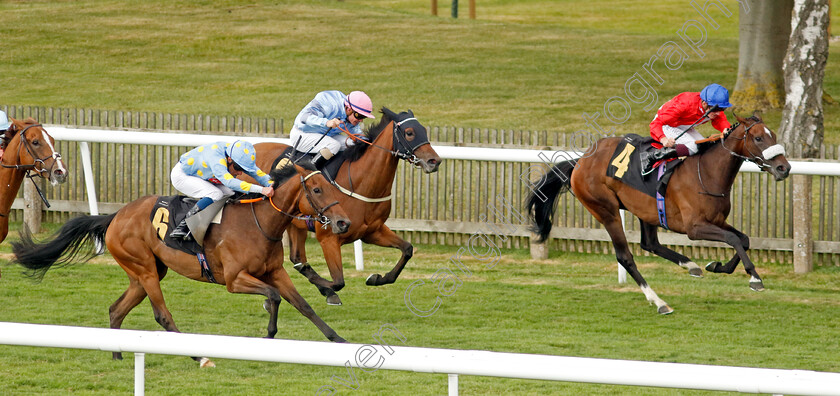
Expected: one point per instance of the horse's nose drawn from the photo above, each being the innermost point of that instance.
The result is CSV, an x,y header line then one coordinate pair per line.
x,y
59,175
432,164
783,171
342,226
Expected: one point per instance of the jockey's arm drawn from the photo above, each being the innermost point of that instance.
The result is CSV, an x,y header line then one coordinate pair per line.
x,y
220,171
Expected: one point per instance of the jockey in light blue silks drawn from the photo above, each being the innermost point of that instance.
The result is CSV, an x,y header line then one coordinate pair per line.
x,y
316,126
209,173
4,126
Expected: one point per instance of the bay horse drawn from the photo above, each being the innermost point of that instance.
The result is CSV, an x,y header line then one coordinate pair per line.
x,y
29,148
697,199
365,178
244,252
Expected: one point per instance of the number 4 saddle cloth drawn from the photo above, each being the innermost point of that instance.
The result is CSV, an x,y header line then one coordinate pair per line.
x,y
626,166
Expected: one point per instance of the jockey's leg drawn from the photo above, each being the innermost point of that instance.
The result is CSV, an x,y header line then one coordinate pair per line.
x,y
194,187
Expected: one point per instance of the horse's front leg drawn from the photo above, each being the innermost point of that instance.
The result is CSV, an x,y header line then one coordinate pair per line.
x,y
386,238
730,266
738,240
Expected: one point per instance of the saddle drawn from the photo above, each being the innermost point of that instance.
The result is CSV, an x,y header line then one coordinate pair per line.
x,y
625,166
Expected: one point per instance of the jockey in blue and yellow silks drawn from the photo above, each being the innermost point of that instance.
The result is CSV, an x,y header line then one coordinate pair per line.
x,y
209,173
4,126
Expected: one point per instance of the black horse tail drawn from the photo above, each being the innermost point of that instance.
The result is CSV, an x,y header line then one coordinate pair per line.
x,y
73,239
542,201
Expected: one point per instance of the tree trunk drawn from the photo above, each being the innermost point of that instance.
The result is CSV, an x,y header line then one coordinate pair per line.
x,y
763,38
802,120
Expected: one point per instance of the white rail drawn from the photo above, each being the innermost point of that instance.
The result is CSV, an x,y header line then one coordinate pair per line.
x,y
84,136
425,360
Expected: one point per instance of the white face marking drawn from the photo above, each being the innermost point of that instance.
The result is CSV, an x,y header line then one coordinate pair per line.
x,y
46,138
768,132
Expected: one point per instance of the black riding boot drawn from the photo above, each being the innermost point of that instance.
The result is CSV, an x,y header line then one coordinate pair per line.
x,y
181,231
649,158
318,161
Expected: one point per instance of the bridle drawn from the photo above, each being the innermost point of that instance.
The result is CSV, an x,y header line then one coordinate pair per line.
x,y
759,159
319,212
34,166
38,165
402,148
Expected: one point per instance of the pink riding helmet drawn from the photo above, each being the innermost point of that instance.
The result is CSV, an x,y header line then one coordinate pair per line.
x,y
360,103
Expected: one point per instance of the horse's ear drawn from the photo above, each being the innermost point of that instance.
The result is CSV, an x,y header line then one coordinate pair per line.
x,y
756,114
390,114
30,120
411,112
739,118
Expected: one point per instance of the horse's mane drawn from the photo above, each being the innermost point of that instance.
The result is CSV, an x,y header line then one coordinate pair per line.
x,y
356,151
283,173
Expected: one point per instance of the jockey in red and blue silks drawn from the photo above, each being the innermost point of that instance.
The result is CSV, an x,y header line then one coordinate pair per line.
x,y
673,125
316,126
209,173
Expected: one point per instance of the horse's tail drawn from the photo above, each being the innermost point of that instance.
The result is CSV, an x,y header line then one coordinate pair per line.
x,y
541,201
72,240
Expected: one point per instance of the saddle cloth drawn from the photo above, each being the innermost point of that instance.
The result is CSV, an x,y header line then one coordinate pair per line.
x,y
625,165
168,213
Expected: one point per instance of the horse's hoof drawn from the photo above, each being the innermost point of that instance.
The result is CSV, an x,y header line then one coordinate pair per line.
x,y
117,356
696,272
333,299
205,362
665,310
337,338
713,266
373,280
757,286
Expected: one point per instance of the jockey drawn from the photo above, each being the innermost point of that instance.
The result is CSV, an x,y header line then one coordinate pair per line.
x,y
316,126
209,172
4,126
673,125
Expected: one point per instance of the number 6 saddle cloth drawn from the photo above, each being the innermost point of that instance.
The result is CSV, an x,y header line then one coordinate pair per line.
x,y
168,213
626,166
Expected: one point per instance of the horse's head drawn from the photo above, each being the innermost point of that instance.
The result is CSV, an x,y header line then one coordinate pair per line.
x,y
757,144
322,199
34,149
411,140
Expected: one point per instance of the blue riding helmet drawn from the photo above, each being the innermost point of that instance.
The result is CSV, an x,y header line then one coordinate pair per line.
x,y
4,121
243,154
715,95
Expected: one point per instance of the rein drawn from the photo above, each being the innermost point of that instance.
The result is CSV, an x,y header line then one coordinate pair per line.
x,y
760,160
320,217
404,152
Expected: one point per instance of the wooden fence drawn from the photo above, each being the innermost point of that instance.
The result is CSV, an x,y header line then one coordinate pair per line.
x,y
445,207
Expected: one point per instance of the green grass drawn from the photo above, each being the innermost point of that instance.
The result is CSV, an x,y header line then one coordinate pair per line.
x,y
568,305
535,64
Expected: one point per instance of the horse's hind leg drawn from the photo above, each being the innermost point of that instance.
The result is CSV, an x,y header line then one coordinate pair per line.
x,y
650,243
132,296
605,211
386,238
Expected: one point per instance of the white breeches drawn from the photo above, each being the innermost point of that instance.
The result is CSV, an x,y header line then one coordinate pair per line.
x,y
196,187
309,142
686,139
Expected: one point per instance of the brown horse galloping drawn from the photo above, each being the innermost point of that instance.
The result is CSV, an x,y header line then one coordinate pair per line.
x,y
369,173
697,199
28,148
244,252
